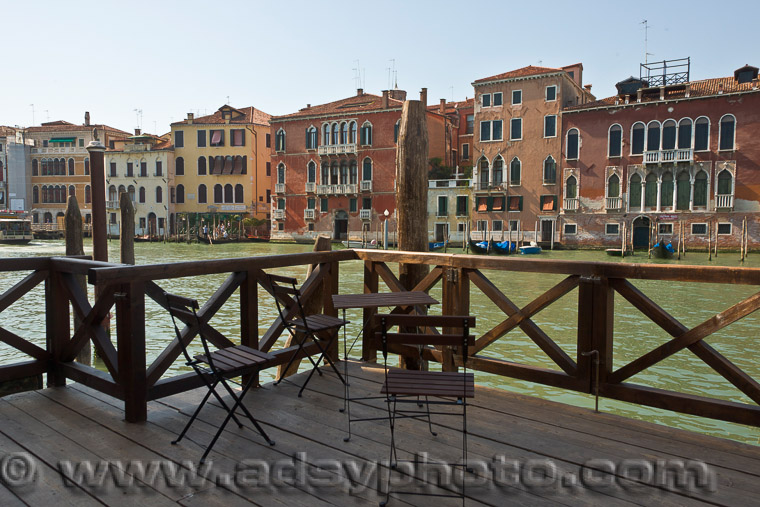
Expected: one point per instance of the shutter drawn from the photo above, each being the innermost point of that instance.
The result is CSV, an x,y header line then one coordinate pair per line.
x,y
490,203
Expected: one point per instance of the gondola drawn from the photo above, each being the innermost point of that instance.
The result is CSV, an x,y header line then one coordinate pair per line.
x,y
210,241
481,247
438,245
663,250
505,247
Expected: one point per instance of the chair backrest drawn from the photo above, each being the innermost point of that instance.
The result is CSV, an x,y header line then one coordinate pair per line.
x,y
284,289
180,306
461,339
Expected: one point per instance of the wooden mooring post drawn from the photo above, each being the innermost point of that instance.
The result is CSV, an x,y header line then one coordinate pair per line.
x,y
127,232
75,246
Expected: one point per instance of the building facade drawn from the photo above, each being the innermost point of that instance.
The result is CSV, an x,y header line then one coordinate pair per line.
x,y
678,159
141,167
517,149
221,163
335,166
15,177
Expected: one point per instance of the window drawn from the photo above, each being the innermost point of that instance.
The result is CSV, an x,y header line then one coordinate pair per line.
x,y
131,191
160,194
669,135
550,126
465,151
497,99
498,171
352,132
269,168
551,93
443,206
113,218
172,195
615,141
281,203
724,228
367,169
35,167
202,193
549,202
684,134
142,195
516,97
727,129
71,167
343,133
515,129
497,225
571,229
497,203
483,204
700,189
550,171
201,166
612,229
683,191
653,136
179,139
201,139
515,204
113,169
216,137
666,190
218,193
613,186
159,168
665,229
485,175
572,144
637,138
239,194
238,137
81,142
323,205
130,170
269,196
485,100
396,128
470,124
281,173
650,192
335,134
353,205
180,194
143,169
515,169
462,205
311,138
179,166
366,134
268,138
72,191
87,193
497,130
635,191
311,203
311,172
702,134
87,167
698,229
725,181
485,131
481,225
367,203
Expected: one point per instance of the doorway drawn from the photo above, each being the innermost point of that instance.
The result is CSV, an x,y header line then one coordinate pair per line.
x,y
641,232
441,232
547,231
152,230
340,231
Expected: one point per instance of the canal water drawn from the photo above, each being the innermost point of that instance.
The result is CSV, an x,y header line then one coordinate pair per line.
x,y
691,303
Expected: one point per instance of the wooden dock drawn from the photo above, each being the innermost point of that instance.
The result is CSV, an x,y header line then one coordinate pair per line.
x,y
562,454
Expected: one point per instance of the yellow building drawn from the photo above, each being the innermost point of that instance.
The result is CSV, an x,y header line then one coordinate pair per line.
x,y
221,164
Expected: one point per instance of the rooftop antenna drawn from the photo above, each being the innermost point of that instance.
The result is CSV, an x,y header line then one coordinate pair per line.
x,y
646,41
357,75
47,114
138,117
392,73
32,106
228,100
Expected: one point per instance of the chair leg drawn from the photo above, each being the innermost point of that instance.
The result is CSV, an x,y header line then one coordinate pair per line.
x,y
195,414
391,466
250,416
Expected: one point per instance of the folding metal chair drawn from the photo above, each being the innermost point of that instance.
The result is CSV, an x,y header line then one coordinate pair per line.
x,y
448,388
319,328
217,367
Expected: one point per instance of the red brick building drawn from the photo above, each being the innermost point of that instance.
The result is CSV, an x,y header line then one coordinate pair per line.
x,y
673,153
333,166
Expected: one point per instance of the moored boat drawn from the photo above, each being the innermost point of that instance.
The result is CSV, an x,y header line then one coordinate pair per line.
x,y
505,247
480,247
616,252
437,245
357,243
15,231
530,249
662,250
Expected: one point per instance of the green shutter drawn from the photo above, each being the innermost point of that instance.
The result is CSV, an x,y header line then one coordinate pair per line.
x,y
352,205
490,203
323,205
521,203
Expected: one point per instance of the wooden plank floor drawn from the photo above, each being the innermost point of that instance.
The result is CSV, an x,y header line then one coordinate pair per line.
x,y
525,451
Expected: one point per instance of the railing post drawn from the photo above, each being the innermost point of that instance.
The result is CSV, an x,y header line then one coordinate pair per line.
x,y
456,301
595,329
130,335
329,288
249,314
369,349
56,326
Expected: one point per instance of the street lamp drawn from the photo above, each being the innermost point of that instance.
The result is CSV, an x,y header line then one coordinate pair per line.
x,y
386,213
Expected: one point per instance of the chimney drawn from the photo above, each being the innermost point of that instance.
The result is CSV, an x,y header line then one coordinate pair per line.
x,y
137,132
587,87
662,93
687,92
627,99
398,94
386,93
86,118
442,107
754,84
359,92
638,95
423,97
308,106
190,117
720,88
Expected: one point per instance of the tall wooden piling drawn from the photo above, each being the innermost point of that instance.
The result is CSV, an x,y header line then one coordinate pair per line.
x,y
75,246
127,232
709,241
96,149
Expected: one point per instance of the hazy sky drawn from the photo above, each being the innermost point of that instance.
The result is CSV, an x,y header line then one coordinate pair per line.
x,y
168,58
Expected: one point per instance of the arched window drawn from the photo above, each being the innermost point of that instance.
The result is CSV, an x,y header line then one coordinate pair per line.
x,y
218,193
201,166
700,189
334,174
634,192
71,167
180,194
653,136
515,170
367,169
311,172
35,167
666,190
237,165
702,134
485,174
160,194
725,183
613,186
550,170
571,188
366,134
352,172
311,138
650,197
279,140
326,134
112,195
498,171
343,173
281,173
229,194
202,194
335,133
239,198
572,144
684,134
615,141
36,194
142,194
727,132
87,194
669,135
131,192
683,190
87,167
122,190
396,128
325,174
179,165
352,132
343,133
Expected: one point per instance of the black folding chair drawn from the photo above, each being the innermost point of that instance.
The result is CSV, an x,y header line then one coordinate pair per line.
x,y
448,388
318,328
217,367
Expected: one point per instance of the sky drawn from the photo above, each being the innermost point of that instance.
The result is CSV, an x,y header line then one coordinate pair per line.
x,y
148,63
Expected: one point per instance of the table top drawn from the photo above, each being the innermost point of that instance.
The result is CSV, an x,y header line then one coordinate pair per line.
x,y
378,299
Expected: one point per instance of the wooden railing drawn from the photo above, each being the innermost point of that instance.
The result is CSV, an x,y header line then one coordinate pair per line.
x,y
130,378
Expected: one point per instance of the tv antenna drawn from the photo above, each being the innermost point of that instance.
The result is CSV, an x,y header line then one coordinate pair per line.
x,y
646,41
138,115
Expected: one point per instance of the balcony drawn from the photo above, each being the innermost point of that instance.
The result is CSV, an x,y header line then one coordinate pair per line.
x,y
672,156
345,189
112,204
365,214
448,183
278,214
366,185
279,188
325,189
724,201
614,203
337,149
310,186
309,214
571,204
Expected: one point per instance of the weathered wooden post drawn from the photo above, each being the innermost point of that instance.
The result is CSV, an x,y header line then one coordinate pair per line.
x,y
98,184
75,246
127,232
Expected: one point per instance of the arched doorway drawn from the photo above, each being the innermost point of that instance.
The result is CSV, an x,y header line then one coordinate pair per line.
x,y
341,225
152,230
641,232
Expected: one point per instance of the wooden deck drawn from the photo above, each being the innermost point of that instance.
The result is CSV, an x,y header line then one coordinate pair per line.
x,y
80,425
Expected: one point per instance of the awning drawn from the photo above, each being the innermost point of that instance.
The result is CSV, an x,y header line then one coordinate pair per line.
x,y
216,137
63,140
498,203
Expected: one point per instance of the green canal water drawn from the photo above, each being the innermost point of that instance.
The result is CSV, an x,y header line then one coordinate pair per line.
x,y
691,303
